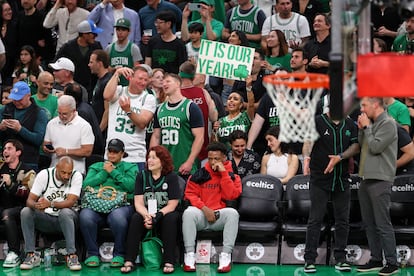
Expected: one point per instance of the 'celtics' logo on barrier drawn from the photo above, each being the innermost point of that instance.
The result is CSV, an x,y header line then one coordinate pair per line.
x,y
255,251
299,252
353,253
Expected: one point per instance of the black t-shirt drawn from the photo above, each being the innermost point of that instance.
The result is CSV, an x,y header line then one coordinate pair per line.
x,y
8,197
167,55
319,49
97,98
163,189
403,140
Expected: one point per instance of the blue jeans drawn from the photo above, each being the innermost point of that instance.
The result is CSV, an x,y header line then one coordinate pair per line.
x,y
117,221
64,223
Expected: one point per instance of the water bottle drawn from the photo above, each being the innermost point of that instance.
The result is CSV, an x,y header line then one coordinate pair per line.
x,y
47,259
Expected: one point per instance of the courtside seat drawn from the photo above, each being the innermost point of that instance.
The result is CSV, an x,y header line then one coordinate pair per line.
x,y
297,204
356,228
258,208
401,209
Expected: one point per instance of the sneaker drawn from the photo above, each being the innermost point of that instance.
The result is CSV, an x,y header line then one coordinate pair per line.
x,y
309,268
72,262
32,260
370,266
12,260
345,267
388,269
224,262
189,262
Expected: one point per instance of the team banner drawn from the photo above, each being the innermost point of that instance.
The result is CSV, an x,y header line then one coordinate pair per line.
x,y
224,60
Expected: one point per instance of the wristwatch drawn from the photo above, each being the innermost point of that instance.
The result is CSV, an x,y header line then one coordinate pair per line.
x,y
52,204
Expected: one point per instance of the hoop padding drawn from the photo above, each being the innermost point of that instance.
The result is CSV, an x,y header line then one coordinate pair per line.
x,y
296,96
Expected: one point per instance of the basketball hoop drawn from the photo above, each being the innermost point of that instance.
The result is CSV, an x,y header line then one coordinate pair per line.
x,y
295,96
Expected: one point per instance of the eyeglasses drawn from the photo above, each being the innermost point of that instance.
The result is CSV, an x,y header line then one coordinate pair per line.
x,y
158,22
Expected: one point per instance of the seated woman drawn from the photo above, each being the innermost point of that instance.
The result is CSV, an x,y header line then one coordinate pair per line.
x,y
158,183
236,119
120,175
278,163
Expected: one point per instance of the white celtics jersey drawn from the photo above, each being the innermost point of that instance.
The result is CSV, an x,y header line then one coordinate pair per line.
x,y
121,126
295,28
48,186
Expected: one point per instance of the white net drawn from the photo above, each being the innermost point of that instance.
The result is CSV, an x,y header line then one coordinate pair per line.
x,y
296,106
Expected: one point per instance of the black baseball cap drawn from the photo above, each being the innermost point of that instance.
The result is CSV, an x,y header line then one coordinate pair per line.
x,y
117,146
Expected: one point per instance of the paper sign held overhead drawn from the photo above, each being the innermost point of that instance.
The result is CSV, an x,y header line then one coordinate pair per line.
x,y
225,60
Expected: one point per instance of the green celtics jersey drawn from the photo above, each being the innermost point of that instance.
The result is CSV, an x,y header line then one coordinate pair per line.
x,y
176,133
122,58
227,126
246,23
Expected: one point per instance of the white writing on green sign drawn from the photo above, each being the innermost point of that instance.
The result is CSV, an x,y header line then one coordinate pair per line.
x,y
224,60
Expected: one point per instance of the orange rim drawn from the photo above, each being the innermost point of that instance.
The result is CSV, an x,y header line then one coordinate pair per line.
x,y
297,80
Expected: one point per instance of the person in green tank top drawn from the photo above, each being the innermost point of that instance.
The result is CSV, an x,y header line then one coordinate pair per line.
x,y
123,53
277,51
179,126
236,119
247,18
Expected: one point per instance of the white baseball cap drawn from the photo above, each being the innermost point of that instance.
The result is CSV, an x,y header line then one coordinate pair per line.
x,y
63,63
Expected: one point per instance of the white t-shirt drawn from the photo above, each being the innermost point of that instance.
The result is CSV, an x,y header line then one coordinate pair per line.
x,y
295,28
121,126
70,136
48,186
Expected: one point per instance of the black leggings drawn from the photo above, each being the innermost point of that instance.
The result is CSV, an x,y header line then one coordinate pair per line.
x,y
167,227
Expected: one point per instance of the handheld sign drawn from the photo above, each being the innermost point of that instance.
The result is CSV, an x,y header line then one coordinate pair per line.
x,y
224,60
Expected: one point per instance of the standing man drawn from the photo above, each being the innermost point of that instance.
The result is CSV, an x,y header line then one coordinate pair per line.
x,y
207,190
245,17
69,135
99,65
66,15
378,139
292,24
24,120
200,97
30,30
131,108
49,209
123,53
179,126
165,50
327,162
79,50
147,15
43,98
319,47
212,27
107,13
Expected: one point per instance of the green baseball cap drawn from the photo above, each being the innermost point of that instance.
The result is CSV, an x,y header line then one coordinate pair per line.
x,y
123,23
207,2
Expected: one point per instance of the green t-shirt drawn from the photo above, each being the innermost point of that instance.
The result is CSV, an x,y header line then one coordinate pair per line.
x,y
400,113
216,25
49,104
400,44
278,62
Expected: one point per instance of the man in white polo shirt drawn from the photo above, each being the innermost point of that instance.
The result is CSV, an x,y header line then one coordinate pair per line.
x,y
69,135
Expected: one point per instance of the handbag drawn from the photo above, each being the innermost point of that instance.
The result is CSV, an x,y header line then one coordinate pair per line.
x,y
151,251
104,200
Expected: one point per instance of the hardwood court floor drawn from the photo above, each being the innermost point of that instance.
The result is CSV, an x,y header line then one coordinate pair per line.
x,y
202,270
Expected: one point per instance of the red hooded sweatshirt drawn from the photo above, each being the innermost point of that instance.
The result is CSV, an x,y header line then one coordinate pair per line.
x,y
215,191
